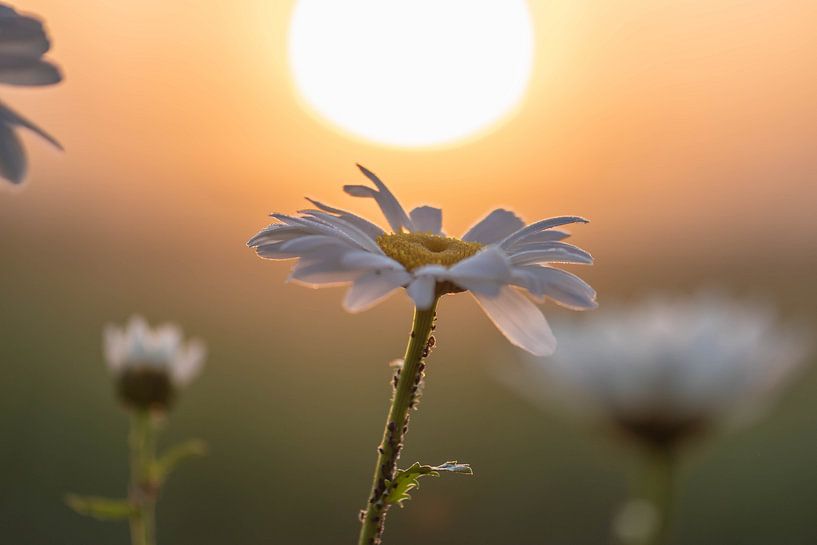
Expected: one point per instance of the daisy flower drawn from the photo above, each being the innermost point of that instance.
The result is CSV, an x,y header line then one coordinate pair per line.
x,y
23,42
503,263
663,372
667,368
151,365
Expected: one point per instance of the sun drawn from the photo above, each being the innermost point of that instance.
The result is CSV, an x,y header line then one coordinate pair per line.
x,y
411,73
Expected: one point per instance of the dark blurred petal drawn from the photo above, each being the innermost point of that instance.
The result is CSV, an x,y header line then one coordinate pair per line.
x,y
21,35
9,116
28,73
12,155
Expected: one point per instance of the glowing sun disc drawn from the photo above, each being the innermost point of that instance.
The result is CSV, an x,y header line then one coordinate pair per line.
x,y
411,72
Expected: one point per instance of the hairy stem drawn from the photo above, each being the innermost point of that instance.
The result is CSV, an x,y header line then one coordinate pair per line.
x,y
407,382
142,443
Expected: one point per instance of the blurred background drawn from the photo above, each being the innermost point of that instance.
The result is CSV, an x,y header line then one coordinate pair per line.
x,y
684,130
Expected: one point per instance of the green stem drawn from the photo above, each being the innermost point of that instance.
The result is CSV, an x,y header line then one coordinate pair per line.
x,y
142,443
662,477
407,381
658,488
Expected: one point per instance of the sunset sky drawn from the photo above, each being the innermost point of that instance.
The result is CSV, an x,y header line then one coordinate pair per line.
x,y
640,115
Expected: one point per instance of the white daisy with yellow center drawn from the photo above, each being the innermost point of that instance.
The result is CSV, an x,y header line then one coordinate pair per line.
x,y
502,262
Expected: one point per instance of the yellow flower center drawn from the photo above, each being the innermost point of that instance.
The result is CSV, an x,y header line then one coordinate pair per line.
x,y
414,250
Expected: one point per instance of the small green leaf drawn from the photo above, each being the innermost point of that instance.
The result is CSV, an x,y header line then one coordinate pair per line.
x,y
455,467
406,480
166,463
101,508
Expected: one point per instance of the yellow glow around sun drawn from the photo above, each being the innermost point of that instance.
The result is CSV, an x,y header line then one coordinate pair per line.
x,y
411,72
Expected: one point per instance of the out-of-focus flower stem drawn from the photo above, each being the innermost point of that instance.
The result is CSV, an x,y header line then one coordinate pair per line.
x,y
143,488
405,393
659,490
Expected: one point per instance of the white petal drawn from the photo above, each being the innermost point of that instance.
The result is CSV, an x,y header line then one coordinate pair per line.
x,y
322,274
114,347
137,326
392,215
563,287
302,246
539,226
348,228
389,205
381,187
167,338
272,250
311,243
324,267
368,260
421,290
427,219
494,227
551,252
438,271
547,235
491,262
373,287
362,191
137,339
188,363
519,320
479,285
327,208
483,272
314,227
277,232
363,224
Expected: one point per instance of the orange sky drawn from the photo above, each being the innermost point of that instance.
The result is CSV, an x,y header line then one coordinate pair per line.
x,y
678,127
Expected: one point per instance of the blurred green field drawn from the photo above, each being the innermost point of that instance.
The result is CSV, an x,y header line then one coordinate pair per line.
x,y
293,397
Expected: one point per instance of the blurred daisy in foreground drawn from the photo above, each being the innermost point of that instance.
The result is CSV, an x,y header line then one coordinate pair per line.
x,y
149,366
665,371
502,262
23,42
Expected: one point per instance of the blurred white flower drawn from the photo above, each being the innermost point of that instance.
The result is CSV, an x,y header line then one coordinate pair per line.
x,y
151,364
23,42
667,368
492,259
